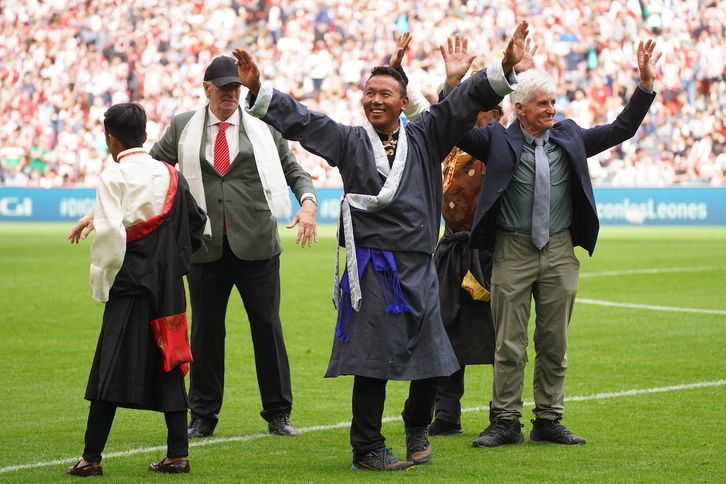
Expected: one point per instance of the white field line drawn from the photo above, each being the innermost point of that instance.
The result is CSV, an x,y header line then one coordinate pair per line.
x,y
244,438
651,271
654,308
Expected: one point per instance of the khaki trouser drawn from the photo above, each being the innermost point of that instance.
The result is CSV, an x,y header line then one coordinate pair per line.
x,y
551,275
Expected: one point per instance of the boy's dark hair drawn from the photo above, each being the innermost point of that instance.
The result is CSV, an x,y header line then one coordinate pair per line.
x,y
127,123
390,71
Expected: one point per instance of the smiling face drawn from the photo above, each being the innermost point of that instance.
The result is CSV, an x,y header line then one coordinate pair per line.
x,y
383,103
223,101
538,115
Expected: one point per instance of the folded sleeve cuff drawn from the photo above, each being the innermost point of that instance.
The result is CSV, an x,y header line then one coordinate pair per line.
x,y
101,281
649,91
262,101
500,83
308,196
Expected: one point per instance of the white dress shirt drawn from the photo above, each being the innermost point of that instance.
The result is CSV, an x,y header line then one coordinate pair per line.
x,y
232,135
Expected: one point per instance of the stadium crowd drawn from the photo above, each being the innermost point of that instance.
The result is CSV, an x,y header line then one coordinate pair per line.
x,y
64,62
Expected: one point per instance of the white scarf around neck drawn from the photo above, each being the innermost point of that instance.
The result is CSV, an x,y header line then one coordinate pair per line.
x,y
368,202
267,159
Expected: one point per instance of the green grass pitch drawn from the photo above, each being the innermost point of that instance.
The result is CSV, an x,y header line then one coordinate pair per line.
x,y
646,383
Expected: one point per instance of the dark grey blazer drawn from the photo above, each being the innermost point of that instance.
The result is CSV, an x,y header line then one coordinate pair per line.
x,y
238,195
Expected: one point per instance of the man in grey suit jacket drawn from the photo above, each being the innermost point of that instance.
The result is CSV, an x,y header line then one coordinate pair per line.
x,y
526,266
242,246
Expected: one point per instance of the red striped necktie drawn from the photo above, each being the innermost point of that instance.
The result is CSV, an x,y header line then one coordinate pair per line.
x,y
221,150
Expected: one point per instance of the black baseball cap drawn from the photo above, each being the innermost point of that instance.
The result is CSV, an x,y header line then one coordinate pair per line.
x,y
222,71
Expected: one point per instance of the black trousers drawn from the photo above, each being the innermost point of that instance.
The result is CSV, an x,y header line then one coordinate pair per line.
x,y
369,397
100,419
448,399
210,286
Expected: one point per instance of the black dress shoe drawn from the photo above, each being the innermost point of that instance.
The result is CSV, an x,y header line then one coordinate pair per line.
x,y
441,428
92,469
171,467
198,429
281,425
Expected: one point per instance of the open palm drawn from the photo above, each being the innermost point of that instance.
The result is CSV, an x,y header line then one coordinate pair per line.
x,y
457,59
247,70
647,60
516,47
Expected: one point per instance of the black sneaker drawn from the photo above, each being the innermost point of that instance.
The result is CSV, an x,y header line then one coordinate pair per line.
x,y
381,460
418,447
553,432
441,428
500,432
197,428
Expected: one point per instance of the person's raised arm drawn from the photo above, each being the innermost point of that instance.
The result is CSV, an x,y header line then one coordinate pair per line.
x,y
401,45
249,74
647,60
316,132
247,71
530,48
417,102
516,47
457,59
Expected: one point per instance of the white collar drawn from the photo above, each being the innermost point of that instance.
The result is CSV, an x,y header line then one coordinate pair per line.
x,y
131,152
233,120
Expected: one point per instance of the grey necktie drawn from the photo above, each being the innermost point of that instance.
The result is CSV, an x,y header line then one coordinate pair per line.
x,y
541,204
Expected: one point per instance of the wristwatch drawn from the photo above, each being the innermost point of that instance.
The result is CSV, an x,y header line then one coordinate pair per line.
x,y
308,197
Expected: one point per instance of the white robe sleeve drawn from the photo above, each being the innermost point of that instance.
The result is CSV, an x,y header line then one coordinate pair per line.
x,y
109,245
417,103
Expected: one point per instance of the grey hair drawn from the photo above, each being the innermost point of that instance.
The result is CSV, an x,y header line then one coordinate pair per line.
x,y
529,82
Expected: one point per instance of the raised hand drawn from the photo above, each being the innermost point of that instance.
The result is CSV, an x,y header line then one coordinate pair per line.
x,y
516,47
647,59
401,45
530,48
247,70
456,59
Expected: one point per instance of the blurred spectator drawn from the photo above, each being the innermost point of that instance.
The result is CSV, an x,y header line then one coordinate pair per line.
x,y
51,179
40,153
62,63
12,153
318,66
15,178
34,179
721,163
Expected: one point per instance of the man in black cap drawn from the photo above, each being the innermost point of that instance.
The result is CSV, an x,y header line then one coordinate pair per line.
x,y
239,170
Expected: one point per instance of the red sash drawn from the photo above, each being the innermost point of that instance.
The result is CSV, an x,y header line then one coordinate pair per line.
x,y
148,226
172,338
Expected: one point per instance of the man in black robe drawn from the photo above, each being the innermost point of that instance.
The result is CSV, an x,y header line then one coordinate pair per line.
x,y
389,323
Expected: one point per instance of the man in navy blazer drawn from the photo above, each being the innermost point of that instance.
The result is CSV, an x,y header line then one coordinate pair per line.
x,y
521,270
